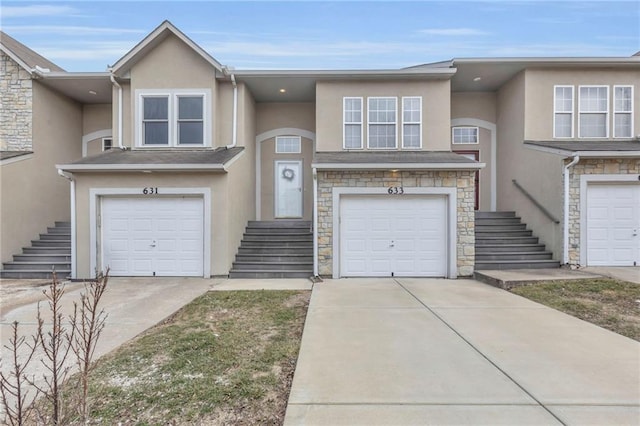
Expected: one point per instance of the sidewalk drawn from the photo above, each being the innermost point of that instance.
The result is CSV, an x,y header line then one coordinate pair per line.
x,y
420,351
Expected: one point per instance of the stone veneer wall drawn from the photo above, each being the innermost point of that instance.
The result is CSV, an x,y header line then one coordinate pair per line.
x,y
611,166
463,180
16,96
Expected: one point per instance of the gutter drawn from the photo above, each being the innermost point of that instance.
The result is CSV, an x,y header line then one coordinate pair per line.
x,y
234,128
115,83
403,166
315,223
72,183
565,231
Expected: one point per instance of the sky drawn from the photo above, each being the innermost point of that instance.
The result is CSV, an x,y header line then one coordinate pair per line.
x,y
84,36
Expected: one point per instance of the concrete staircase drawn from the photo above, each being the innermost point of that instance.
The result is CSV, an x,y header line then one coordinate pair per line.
x,y
504,242
51,250
275,249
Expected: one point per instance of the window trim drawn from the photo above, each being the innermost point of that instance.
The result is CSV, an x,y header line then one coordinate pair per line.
x,y
606,113
477,129
298,138
630,112
395,123
173,95
345,122
418,123
572,112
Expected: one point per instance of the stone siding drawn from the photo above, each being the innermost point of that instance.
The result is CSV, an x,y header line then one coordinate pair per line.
x,y
612,166
462,180
15,106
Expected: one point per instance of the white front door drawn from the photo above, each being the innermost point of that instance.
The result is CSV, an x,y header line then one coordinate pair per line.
x,y
613,224
153,236
288,189
399,236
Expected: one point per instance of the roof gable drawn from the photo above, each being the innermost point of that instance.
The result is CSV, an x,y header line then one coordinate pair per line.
x,y
23,56
156,37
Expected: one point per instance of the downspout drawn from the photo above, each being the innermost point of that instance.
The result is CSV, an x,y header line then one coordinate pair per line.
x,y
72,183
565,236
315,223
234,130
115,83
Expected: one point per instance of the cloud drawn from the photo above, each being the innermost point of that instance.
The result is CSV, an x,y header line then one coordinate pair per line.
x,y
36,10
453,32
68,30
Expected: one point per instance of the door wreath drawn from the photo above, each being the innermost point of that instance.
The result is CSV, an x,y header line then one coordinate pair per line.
x,y
288,174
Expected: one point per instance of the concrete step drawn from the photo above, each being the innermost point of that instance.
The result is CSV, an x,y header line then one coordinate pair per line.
x,y
516,264
504,233
272,266
277,231
59,230
13,266
279,224
270,258
498,221
275,244
34,273
51,243
492,215
505,240
270,274
494,248
501,227
47,250
63,223
42,257
523,255
275,251
59,236
266,237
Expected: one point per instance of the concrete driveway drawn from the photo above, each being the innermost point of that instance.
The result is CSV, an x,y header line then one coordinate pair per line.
x,y
419,351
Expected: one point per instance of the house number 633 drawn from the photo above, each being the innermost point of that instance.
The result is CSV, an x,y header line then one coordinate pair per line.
x,y
150,190
395,190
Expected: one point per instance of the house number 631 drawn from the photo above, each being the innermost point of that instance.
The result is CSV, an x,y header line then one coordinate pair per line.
x,y
150,190
395,190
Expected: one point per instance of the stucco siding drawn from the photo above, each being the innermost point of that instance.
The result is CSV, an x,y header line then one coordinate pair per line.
x,y
96,119
34,196
436,110
539,173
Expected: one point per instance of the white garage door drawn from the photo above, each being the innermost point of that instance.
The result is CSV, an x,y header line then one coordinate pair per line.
x,y
393,236
153,236
613,225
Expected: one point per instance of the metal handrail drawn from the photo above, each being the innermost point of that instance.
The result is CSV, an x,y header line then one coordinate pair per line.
x,y
536,202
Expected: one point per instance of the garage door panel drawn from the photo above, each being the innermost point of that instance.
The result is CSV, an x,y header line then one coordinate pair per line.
x,y
405,236
613,218
153,236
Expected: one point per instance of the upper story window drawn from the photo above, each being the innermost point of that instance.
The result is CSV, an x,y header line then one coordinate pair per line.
x,y
173,118
622,111
563,112
593,113
352,123
465,135
412,122
382,122
288,144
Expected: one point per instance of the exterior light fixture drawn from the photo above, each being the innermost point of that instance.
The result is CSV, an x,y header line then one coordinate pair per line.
x,y
477,79
283,90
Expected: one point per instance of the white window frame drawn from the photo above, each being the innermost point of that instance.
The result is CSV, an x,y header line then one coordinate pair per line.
x,y
418,123
453,135
630,112
173,95
571,112
605,112
359,123
104,140
298,140
395,123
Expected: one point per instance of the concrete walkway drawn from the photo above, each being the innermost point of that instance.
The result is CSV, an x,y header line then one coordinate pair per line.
x,y
420,351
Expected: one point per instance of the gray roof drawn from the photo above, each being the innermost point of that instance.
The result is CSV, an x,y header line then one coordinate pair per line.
x,y
410,160
160,159
26,55
593,146
5,155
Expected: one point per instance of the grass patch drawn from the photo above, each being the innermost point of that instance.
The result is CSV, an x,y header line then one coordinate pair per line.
x,y
226,358
608,303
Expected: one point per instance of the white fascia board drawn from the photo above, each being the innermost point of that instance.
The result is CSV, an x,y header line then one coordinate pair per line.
x,y
399,166
583,154
63,75
553,60
16,159
384,73
140,167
